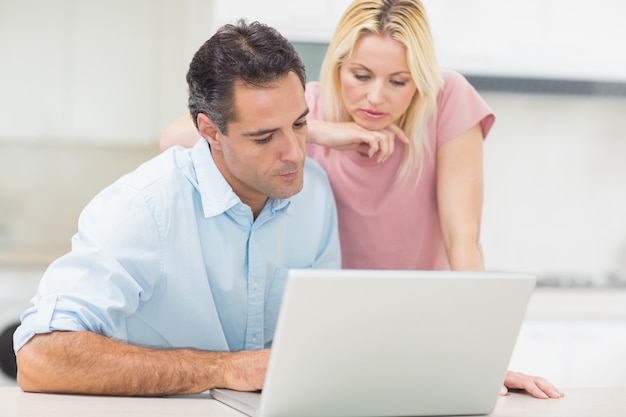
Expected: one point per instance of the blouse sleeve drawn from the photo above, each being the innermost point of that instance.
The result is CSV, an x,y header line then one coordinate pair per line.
x,y
459,107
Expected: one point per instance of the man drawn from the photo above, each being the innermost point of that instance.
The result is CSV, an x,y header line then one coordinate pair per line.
x,y
175,276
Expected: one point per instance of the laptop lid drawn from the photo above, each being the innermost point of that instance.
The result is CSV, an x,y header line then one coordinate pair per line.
x,y
390,343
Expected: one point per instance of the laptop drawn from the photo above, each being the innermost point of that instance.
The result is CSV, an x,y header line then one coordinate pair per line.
x,y
389,343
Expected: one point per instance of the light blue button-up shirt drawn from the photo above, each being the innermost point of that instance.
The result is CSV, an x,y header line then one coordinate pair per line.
x,y
169,256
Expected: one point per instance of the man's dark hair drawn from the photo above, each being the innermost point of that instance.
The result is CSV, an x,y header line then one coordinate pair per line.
x,y
252,54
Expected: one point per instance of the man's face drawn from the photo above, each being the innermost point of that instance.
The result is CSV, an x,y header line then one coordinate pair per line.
x,y
263,154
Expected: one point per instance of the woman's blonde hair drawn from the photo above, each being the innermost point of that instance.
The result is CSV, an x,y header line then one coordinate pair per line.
x,y
406,22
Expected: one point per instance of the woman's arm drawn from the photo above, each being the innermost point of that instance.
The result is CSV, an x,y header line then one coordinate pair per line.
x,y
182,132
89,363
460,198
350,136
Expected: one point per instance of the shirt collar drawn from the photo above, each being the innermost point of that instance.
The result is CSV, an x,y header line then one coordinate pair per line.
x,y
216,194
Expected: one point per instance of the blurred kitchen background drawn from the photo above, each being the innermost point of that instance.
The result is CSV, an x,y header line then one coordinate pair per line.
x,y
87,87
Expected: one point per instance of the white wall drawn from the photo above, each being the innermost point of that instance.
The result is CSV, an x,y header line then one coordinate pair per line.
x,y
556,185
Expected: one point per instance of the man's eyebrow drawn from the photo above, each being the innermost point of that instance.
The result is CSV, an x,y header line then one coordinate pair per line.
x,y
267,131
304,113
259,132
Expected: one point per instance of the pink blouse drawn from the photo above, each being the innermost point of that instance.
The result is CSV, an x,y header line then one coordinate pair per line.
x,y
383,225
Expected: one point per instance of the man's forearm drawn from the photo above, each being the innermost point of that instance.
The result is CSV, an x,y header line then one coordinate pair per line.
x,y
89,363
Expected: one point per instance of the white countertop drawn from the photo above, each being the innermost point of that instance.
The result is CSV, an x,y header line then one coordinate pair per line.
x,y
606,402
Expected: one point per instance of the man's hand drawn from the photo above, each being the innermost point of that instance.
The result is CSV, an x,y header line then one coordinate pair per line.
x,y
245,370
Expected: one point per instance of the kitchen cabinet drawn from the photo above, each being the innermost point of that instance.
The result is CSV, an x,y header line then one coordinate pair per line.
x,y
91,72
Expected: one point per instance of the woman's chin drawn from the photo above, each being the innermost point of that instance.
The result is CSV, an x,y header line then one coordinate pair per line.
x,y
372,124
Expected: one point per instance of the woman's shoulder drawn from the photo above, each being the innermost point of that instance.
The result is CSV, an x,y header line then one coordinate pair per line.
x,y
453,80
457,89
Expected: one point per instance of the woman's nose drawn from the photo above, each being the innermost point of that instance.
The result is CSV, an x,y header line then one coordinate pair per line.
x,y
375,95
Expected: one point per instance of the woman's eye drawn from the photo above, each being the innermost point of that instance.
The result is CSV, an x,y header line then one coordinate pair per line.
x,y
361,77
398,83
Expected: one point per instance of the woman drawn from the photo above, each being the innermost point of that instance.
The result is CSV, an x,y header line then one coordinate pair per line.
x,y
417,204
401,142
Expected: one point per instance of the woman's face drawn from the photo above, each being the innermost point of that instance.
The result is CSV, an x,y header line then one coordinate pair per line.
x,y
376,85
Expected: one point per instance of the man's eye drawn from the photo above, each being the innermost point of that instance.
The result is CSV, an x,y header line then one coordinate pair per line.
x,y
300,125
264,140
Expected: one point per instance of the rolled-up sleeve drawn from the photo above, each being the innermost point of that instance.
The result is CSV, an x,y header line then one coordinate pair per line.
x,y
113,265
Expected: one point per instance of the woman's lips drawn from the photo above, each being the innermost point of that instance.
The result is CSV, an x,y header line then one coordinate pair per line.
x,y
372,114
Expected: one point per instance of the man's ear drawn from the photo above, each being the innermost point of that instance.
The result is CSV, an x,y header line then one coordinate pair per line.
x,y
209,130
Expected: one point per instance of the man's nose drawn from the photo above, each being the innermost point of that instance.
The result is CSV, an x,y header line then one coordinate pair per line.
x,y
293,147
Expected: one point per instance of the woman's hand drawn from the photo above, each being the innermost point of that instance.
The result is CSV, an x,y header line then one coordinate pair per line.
x,y
350,136
536,386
